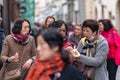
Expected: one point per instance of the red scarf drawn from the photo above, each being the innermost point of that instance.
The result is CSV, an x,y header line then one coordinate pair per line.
x,y
42,70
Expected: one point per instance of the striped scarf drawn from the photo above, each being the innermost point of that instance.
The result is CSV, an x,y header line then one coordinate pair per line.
x,y
89,46
89,49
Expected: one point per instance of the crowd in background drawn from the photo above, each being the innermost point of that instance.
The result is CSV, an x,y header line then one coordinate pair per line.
x,y
60,51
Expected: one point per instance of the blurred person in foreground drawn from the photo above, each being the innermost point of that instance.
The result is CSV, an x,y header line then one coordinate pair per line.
x,y
113,58
91,52
18,48
51,62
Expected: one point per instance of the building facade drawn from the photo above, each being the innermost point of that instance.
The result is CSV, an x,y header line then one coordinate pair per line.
x,y
109,9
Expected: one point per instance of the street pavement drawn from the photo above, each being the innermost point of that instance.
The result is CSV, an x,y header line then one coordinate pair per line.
x,y
118,73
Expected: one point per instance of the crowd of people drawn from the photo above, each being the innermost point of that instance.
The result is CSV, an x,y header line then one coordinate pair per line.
x,y
89,51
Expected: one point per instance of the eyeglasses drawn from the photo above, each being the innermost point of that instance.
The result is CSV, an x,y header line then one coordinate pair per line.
x,y
62,30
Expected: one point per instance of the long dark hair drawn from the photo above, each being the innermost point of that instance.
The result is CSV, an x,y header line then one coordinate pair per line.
x,y
107,24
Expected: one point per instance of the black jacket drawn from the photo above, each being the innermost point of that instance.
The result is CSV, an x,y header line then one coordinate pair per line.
x,y
69,72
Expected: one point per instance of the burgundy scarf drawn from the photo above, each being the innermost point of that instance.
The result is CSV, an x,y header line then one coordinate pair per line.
x,y
23,40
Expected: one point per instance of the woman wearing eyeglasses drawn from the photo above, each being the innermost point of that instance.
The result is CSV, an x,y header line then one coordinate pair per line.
x,y
62,28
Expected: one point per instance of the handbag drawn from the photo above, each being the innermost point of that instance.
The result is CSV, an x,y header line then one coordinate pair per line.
x,y
89,73
15,73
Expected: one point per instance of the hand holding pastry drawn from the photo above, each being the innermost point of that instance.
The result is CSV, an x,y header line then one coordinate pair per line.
x,y
75,53
17,55
14,58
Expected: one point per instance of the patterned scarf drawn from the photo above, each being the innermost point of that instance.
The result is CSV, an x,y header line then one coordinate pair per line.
x,y
89,47
20,39
42,70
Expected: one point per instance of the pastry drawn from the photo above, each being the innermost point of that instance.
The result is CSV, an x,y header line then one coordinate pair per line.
x,y
75,53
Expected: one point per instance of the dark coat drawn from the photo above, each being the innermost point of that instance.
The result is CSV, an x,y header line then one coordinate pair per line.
x,y
2,37
69,72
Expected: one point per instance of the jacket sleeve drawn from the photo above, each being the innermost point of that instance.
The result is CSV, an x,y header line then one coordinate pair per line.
x,y
100,55
116,38
34,51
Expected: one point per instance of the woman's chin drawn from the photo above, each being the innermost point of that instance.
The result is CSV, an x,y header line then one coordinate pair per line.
x,y
25,34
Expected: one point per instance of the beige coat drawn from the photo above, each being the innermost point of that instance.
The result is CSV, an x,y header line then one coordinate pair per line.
x,y
10,47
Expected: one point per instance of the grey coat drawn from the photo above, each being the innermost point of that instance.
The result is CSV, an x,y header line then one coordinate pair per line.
x,y
99,61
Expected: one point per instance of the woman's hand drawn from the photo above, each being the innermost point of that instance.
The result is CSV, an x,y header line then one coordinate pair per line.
x,y
14,58
27,64
69,48
75,53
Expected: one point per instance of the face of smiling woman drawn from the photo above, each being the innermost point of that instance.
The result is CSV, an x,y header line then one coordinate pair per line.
x,y
78,30
25,28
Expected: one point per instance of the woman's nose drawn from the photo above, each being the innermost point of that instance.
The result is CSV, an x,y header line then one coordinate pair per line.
x,y
84,33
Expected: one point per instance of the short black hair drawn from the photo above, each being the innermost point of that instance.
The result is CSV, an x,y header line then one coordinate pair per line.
x,y
37,24
52,37
18,25
107,24
92,24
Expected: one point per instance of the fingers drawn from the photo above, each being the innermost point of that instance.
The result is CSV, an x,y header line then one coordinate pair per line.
x,y
27,64
75,53
17,54
14,58
69,48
